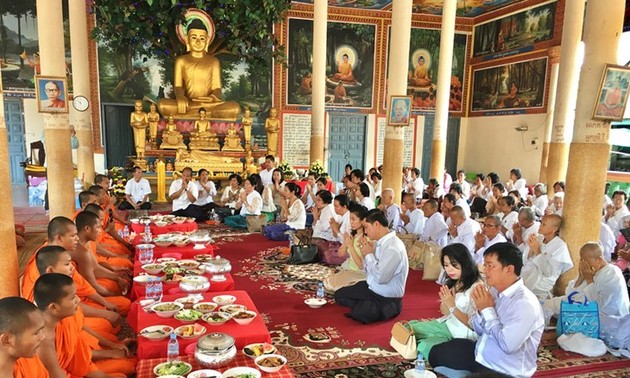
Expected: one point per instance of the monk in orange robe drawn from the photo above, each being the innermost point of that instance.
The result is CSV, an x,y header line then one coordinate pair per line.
x,y
85,198
66,349
118,244
120,219
21,332
119,262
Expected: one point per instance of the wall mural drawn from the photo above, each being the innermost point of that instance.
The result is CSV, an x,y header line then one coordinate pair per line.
x,y
423,69
364,4
515,86
465,8
516,33
349,64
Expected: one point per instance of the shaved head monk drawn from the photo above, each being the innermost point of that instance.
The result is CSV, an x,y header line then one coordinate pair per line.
x,y
111,256
21,334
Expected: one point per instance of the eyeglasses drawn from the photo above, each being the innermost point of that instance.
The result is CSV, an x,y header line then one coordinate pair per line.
x,y
489,225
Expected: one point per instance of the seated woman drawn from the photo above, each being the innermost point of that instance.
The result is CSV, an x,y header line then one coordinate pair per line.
x,y
232,192
362,194
456,303
273,196
352,270
249,203
292,209
341,224
492,206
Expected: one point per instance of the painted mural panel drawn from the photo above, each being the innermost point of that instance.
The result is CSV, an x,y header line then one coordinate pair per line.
x,y
424,54
465,8
349,64
363,4
510,87
515,33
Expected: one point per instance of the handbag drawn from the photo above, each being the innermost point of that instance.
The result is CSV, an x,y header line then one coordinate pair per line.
x,y
403,341
303,253
432,263
406,237
575,316
415,254
255,222
276,231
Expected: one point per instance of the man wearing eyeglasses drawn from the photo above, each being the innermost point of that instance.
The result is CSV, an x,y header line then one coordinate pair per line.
x,y
490,234
53,92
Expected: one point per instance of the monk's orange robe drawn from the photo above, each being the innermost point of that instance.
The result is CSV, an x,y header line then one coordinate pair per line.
x,y
108,241
29,368
74,216
120,262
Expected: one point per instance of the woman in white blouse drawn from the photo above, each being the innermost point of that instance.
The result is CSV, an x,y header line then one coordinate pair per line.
x,y
249,203
456,304
293,213
232,192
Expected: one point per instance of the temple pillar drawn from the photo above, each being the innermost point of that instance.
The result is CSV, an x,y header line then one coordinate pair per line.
x,y
447,40
9,262
398,64
566,94
551,100
590,148
56,126
318,107
82,121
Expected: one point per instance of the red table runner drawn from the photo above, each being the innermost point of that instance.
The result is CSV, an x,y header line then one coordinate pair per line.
x,y
145,367
186,252
155,230
254,332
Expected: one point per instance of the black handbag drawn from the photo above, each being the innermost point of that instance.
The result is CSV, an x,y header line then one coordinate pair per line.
x,y
303,253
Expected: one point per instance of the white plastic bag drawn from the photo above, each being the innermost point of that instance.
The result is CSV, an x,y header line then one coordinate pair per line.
x,y
583,345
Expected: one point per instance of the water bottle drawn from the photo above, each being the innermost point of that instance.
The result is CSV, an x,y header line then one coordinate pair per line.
x,y
419,363
125,233
158,289
150,289
147,234
172,349
320,290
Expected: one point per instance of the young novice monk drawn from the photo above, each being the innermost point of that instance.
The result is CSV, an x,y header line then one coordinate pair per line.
x,y
21,333
121,264
114,242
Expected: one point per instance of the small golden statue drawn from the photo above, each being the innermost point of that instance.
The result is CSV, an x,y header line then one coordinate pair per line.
x,y
153,118
247,122
203,138
250,165
272,126
171,138
232,141
197,79
139,123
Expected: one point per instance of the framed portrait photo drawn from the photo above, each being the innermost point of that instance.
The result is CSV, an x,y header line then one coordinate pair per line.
x,y
612,96
399,111
52,94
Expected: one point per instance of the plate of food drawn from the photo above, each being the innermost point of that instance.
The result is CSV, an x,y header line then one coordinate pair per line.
x,y
271,363
232,309
205,373
172,368
216,318
190,331
205,307
317,337
143,279
203,257
188,301
189,264
156,332
188,316
242,372
166,259
244,317
224,299
166,309
258,349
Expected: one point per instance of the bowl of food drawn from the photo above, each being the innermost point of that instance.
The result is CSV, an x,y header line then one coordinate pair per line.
x,y
216,317
205,373
244,317
203,257
188,301
143,279
179,220
194,284
242,372
163,242
156,332
270,363
189,264
153,269
232,309
315,302
174,255
188,316
258,349
181,242
172,368
222,300
190,331
205,307
167,309
163,260
161,223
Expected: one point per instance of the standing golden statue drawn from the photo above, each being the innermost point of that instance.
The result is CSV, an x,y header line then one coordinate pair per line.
x,y
203,138
272,126
247,123
153,117
197,80
139,123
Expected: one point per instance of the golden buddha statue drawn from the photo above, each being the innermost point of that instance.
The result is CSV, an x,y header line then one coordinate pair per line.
x,y
272,126
139,123
153,118
250,165
171,138
247,122
232,141
203,138
197,80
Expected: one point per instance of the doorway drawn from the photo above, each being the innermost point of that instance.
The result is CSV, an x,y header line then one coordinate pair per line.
x,y
13,114
118,135
452,145
346,143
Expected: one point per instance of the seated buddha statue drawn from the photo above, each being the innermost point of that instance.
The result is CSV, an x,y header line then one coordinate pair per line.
x,y
197,80
171,138
232,141
203,138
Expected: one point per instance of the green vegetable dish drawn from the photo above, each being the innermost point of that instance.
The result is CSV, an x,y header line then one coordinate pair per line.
x,y
173,368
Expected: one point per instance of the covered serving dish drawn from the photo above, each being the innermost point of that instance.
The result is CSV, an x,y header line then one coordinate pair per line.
x,y
215,350
194,284
218,267
200,238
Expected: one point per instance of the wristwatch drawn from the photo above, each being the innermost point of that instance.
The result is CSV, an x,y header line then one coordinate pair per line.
x,y
451,310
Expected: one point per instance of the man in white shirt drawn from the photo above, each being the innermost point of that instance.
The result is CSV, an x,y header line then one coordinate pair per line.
x,y
206,190
386,268
490,234
391,210
463,229
509,322
522,229
547,259
323,213
266,174
616,212
137,192
183,192
412,215
435,228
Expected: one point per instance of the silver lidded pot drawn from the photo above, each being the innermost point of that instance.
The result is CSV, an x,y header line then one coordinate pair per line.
x,y
194,284
218,267
215,350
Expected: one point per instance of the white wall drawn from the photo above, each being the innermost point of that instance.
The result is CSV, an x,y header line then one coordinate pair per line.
x,y
491,144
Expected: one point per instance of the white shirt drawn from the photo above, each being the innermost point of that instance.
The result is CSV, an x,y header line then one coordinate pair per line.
x,y
393,216
416,222
255,203
230,191
377,189
464,205
182,202
138,189
524,247
205,196
371,187
616,221
466,234
297,215
478,257
435,230
508,222
344,226
387,268
417,187
310,202
521,186
368,203
607,240
465,188
540,204
541,272
510,332
464,304
266,176
321,228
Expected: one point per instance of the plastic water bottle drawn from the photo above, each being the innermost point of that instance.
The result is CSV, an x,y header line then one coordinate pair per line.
x,y
150,289
158,289
320,290
147,234
125,233
419,363
172,349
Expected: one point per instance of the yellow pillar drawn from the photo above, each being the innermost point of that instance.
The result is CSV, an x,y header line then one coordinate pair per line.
x,y
566,96
56,126
9,260
318,108
398,64
590,147
447,39
553,83
82,121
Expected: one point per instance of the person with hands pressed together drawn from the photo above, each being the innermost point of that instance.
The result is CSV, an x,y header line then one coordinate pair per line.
x,y
183,192
110,239
341,224
509,322
250,202
617,211
524,227
490,234
435,228
206,191
137,192
463,229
